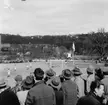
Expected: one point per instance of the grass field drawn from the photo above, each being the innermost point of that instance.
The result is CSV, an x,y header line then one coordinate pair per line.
x,y
57,66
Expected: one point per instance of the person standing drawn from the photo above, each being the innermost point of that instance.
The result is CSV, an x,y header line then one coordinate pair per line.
x,y
40,94
95,95
7,96
27,84
90,78
79,81
70,89
105,82
49,74
8,72
55,83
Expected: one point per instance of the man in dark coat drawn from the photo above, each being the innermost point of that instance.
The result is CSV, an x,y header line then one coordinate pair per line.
x,y
70,89
7,96
94,97
40,94
55,83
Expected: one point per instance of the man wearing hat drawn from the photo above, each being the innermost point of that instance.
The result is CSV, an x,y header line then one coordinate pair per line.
x,y
79,81
90,78
70,89
27,84
49,74
55,83
7,96
40,94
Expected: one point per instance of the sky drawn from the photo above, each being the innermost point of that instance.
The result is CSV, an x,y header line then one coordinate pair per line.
x,y
52,17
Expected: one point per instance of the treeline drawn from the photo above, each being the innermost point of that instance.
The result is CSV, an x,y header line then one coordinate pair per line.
x,y
91,43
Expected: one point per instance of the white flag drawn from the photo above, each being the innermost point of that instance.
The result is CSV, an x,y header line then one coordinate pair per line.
x,y
73,46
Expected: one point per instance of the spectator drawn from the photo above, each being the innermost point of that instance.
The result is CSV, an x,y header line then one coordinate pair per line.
x,y
94,97
99,74
79,81
70,89
61,78
27,84
105,82
40,94
7,96
55,83
90,78
49,74
18,85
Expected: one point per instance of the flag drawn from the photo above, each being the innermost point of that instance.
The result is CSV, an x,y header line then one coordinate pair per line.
x,y
73,46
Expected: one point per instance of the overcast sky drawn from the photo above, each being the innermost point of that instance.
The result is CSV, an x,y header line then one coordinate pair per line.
x,y
41,17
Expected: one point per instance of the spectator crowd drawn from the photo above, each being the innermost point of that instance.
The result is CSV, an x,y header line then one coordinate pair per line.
x,y
46,88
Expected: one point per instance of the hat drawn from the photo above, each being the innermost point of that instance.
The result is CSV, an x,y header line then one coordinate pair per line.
x,y
89,70
50,73
67,74
105,71
99,72
18,78
3,83
76,71
39,72
55,82
28,82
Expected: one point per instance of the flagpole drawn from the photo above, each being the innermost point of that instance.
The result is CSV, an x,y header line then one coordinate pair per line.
x,y
73,47
73,57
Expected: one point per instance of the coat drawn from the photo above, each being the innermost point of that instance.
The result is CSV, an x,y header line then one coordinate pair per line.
x,y
8,97
105,82
89,99
80,83
89,81
40,94
59,96
70,92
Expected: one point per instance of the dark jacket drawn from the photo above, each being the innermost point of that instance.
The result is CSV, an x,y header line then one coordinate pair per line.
x,y
59,96
70,92
8,97
90,99
41,94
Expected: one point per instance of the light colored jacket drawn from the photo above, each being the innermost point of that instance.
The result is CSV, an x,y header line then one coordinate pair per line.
x,y
89,81
22,96
80,83
105,82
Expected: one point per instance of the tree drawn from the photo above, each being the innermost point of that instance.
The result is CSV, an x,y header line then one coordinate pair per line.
x,y
99,42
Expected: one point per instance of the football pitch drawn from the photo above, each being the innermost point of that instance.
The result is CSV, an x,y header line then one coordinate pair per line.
x,y
25,69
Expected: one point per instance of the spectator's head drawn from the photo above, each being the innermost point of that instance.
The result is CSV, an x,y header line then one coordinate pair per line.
x,y
54,83
61,78
18,79
38,73
50,73
76,71
3,83
28,83
67,74
99,75
89,70
97,87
